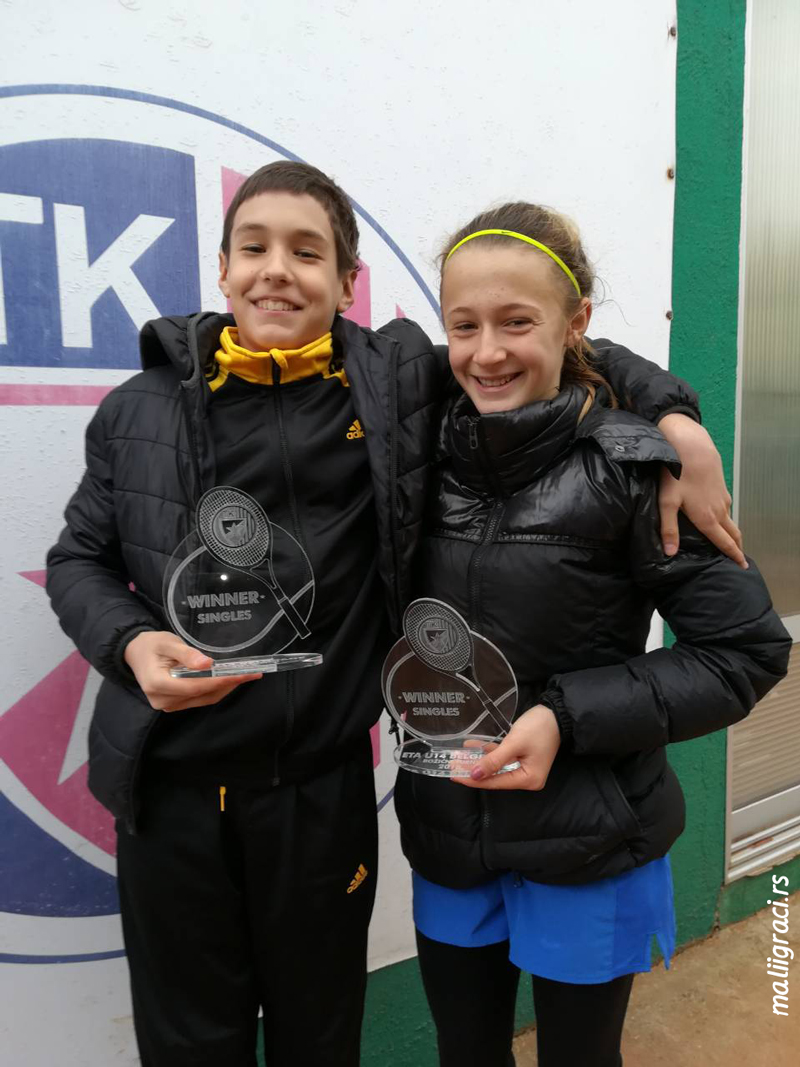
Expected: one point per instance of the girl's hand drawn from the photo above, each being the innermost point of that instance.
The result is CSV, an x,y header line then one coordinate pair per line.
x,y
700,493
532,741
151,655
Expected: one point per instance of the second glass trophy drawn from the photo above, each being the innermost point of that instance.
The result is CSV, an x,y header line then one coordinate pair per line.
x,y
450,689
240,588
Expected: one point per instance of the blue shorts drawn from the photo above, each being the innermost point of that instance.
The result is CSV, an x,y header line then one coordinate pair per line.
x,y
582,934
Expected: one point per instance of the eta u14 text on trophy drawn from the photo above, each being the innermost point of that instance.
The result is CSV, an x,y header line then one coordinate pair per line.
x,y
449,688
240,588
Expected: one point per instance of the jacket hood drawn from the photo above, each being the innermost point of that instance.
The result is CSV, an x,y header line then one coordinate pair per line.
x,y
628,438
185,342
188,343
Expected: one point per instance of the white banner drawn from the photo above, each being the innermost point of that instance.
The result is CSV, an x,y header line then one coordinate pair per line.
x,y
124,131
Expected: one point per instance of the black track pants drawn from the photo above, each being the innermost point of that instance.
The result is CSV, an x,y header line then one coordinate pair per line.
x,y
472,993
226,912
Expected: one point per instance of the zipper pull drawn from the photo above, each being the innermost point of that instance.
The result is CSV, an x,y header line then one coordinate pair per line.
x,y
222,792
473,434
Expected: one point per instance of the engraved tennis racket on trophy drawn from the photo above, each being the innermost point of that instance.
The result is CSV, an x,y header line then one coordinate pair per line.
x,y
449,688
223,593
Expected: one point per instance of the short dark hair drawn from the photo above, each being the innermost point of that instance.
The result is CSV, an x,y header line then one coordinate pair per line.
x,y
301,178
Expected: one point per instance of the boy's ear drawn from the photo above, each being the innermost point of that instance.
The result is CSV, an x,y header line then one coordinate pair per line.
x,y
224,288
348,291
579,323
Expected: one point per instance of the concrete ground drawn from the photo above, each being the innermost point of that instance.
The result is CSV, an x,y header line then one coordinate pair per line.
x,y
713,1008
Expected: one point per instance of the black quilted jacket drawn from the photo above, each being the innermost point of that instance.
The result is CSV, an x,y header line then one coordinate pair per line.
x,y
544,532
149,456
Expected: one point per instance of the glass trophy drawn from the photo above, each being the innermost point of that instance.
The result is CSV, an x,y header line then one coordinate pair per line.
x,y
450,689
239,588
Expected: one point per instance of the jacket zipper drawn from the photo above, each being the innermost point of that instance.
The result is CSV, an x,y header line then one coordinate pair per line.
x,y
484,463
473,577
287,466
393,504
298,532
484,828
493,521
289,690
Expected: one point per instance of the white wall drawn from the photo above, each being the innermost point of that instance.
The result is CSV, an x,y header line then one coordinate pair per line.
x,y
425,113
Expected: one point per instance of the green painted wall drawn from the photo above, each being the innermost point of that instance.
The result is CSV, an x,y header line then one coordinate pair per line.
x,y
705,277
703,349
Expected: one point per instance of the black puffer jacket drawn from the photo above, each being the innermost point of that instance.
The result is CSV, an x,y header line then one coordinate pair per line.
x,y
149,456
543,531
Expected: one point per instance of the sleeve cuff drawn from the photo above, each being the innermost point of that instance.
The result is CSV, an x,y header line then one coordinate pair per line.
x,y
120,665
680,409
551,698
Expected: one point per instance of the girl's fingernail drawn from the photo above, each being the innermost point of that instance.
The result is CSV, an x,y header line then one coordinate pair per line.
x,y
477,774
670,550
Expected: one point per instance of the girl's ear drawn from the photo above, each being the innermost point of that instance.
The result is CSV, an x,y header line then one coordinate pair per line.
x,y
579,323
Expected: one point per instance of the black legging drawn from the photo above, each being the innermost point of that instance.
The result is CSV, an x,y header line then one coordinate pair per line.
x,y
472,993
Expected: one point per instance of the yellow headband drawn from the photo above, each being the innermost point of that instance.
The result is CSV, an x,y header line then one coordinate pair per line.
x,y
520,237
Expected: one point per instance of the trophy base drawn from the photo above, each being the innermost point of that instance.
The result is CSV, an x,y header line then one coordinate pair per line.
x,y
444,759
231,668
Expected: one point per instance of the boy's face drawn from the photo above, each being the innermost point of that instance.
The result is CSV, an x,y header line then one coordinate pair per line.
x,y
281,274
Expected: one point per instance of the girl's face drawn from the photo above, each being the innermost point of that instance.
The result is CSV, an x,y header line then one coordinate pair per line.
x,y
507,329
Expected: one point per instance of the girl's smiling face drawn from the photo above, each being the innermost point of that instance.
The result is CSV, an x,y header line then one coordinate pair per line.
x,y
504,310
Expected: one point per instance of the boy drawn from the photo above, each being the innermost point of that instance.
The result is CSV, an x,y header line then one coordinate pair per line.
x,y
246,823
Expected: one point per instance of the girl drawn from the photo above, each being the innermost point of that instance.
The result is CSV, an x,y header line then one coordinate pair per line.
x,y
542,530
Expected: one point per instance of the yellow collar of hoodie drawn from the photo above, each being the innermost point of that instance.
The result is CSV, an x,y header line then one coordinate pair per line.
x,y
257,367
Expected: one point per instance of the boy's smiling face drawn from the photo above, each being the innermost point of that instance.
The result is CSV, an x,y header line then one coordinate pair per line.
x,y
281,274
